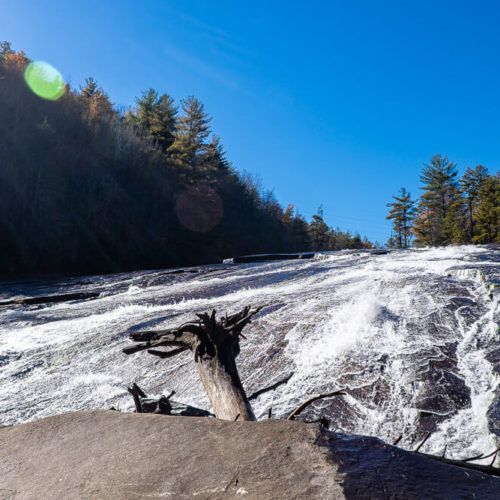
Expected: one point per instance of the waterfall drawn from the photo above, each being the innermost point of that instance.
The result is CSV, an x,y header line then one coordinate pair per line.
x,y
412,336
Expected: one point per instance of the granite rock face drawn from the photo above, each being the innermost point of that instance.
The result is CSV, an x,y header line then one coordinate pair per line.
x,y
108,454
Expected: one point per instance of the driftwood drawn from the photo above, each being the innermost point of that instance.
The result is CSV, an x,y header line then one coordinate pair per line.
x,y
308,402
50,299
215,344
163,405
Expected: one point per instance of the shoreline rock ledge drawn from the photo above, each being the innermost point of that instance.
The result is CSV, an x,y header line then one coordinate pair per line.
x,y
108,454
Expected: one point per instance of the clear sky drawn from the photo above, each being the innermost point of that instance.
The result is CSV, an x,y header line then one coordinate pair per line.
x,y
330,102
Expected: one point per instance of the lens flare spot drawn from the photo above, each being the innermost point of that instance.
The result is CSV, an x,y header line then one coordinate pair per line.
x,y
199,209
44,80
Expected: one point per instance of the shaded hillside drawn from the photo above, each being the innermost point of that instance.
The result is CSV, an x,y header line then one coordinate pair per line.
x,y
85,188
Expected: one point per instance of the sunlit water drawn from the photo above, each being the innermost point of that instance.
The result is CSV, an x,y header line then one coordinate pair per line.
x,y
408,335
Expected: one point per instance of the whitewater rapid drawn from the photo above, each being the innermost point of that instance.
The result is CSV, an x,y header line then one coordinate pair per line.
x,y
412,336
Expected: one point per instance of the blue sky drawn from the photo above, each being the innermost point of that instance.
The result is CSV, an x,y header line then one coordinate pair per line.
x,y
336,103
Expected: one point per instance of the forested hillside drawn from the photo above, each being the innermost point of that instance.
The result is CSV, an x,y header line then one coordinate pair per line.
x,y
85,188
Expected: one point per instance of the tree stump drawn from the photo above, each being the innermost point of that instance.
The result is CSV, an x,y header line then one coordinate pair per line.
x,y
215,344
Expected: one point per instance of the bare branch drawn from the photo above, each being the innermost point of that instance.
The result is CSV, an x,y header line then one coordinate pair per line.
x,y
397,440
164,341
238,321
137,394
477,457
424,441
149,335
256,394
305,404
486,469
167,354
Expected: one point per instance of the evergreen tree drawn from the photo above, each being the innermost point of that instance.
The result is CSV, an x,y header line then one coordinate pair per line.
x,y
300,237
155,116
189,147
423,226
5,50
469,185
96,100
319,231
90,89
439,208
402,214
391,242
356,242
487,213
214,160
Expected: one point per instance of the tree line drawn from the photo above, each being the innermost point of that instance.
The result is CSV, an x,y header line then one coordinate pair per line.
x,y
451,210
88,188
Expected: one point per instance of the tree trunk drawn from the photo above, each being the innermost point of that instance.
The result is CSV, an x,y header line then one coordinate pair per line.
x,y
221,381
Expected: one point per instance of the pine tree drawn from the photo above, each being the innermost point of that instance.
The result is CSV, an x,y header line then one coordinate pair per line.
x,y
402,214
189,147
469,185
319,231
90,89
439,207
96,100
155,116
391,242
216,165
356,242
301,239
5,50
487,213
11,58
423,226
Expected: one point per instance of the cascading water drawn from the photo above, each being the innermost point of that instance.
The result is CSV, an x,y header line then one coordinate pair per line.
x,y
412,336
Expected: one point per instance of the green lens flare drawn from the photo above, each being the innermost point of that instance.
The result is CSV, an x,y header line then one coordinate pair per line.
x,y
44,80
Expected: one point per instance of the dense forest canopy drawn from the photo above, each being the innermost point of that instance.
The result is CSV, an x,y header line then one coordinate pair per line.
x,y
86,188
451,210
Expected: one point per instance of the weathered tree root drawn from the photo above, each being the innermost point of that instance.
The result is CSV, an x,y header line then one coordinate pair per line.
x,y
163,405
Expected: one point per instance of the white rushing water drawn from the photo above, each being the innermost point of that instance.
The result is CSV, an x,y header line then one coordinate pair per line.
x,y
410,335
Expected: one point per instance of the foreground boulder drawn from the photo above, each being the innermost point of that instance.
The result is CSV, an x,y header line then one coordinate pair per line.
x,y
108,454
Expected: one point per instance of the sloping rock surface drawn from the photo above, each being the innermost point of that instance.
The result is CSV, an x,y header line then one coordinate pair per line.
x,y
108,454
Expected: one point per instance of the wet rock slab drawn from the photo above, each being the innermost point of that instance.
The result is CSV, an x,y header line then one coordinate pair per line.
x,y
106,454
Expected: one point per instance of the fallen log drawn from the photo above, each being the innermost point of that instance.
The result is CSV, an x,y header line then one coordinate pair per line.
x,y
50,299
241,259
